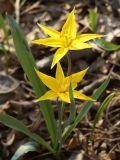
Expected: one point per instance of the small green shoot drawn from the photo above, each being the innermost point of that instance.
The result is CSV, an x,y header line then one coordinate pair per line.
x,y
93,19
100,111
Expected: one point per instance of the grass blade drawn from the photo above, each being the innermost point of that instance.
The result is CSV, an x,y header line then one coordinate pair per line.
x,y
100,111
86,108
1,47
19,126
93,19
25,148
106,45
3,26
28,63
72,108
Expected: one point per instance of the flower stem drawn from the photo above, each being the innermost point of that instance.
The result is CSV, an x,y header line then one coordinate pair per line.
x,y
60,129
69,64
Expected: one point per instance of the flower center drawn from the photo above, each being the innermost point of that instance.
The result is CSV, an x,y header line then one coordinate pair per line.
x,y
64,87
67,40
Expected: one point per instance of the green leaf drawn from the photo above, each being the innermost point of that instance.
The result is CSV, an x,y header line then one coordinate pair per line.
x,y
72,104
93,19
106,45
100,111
3,26
25,148
86,108
19,126
28,63
72,108
1,47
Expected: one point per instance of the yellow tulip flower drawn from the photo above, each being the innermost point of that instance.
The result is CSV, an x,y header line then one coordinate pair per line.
x,y
65,40
59,86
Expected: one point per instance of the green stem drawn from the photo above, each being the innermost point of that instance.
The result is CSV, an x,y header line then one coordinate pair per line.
x,y
60,128
6,59
59,124
69,64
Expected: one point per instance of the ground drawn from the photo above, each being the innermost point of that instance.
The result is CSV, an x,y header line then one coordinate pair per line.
x,y
16,94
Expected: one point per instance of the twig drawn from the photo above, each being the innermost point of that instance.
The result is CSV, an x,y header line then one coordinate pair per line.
x,y
93,85
17,10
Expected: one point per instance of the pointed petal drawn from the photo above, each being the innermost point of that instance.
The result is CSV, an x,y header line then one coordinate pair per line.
x,y
59,72
76,78
51,42
59,55
81,96
69,28
86,37
49,81
64,97
76,45
48,95
50,31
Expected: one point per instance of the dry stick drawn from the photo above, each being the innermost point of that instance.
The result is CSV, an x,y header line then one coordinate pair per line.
x,y
17,10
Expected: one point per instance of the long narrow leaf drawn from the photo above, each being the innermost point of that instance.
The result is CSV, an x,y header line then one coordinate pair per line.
x,y
86,108
1,47
100,111
106,45
3,26
93,19
19,126
28,63
72,108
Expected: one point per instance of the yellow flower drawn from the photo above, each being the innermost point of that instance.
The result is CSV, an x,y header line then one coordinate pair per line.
x,y
65,40
59,86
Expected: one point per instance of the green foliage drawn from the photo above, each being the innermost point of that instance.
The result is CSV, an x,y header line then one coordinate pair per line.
x,y
106,45
28,64
86,108
72,116
1,47
93,19
19,126
101,110
100,42
3,26
59,130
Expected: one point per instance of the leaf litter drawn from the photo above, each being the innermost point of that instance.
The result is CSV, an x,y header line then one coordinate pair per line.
x,y
16,95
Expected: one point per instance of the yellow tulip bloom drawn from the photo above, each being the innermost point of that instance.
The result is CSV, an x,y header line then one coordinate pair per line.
x,y
59,86
65,40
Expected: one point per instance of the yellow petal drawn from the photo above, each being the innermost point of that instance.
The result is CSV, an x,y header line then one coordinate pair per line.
x,y
64,97
49,81
76,45
69,29
77,77
59,72
81,96
51,42
86,37
59,55
48,95
50,31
